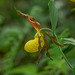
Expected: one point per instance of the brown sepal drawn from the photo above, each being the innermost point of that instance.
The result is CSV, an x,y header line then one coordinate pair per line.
x,y
40,48
54,40
46,48
57,43
32,20
39,56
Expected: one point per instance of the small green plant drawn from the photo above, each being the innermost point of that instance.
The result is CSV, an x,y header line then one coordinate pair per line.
x,y
39,40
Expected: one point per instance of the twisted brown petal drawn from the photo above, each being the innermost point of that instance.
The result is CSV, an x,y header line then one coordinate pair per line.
x,y
46,48
32,20
40,48
54,40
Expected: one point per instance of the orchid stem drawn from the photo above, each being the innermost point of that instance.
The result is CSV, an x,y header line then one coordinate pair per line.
x,y
63,54
56,42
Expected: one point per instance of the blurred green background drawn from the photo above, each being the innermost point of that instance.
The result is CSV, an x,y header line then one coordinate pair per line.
x,y
15,31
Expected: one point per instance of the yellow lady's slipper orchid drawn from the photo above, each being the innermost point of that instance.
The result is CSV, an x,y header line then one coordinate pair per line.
x,y
39,39
33,45
38,42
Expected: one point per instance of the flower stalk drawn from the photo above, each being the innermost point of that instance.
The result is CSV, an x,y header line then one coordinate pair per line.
x,y
56,42
39,39
63,54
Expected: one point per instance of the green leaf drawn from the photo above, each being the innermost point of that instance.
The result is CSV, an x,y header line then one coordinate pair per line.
x,y
73,9
1,19
69,41
71,53
74,70
42,73
28,69
53,14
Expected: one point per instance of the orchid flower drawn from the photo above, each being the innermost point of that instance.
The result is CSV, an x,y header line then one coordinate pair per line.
x,y
39,40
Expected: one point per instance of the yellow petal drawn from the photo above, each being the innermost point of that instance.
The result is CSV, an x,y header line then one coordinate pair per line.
x,y
40,34
32,45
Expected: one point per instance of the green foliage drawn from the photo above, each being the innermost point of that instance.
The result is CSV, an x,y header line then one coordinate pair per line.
x,y
15,31
69,41
54,19
1,19
58,65
28,69
46,29
53,14
73,9
71,53
74,70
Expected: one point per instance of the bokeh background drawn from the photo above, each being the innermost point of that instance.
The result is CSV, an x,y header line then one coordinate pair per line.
x,y
15,31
